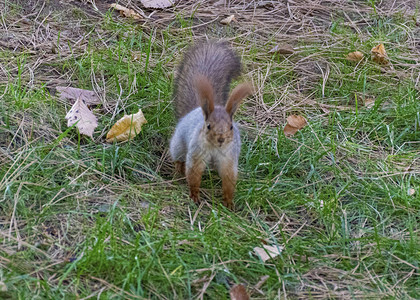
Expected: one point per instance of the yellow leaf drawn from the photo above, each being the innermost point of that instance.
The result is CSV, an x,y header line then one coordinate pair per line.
x,y
294,124
126,12
378,55
228,20
355,56
126,128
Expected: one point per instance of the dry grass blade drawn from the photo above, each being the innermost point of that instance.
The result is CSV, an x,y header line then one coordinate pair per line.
x,y
283,49
157,3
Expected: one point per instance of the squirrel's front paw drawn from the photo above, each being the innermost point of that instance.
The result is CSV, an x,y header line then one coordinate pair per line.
x,y
195,197
228,203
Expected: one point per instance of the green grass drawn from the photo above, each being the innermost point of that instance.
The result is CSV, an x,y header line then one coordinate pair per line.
x,y
82,218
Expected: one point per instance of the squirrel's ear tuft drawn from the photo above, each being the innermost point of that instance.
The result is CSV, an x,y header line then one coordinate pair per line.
x,y
239,92
206,94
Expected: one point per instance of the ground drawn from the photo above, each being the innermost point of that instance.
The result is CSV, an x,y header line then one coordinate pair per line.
x,y
81,218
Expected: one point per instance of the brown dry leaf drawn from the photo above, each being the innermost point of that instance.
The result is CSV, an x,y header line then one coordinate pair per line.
x,y
86,120
294,124
355,56
126,128
126,12
282,49
268,252
379,55
411,191
238,292
157,3
3,287
369,102
228,20
289,130
71,93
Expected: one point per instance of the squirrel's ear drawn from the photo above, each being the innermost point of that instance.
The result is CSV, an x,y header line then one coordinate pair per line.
x,y
239,92
206,94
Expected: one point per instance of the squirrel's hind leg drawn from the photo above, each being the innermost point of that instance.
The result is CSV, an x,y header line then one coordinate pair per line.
x,y
180,167
229,176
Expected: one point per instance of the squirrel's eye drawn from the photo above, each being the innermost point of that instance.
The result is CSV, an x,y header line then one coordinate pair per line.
x,y
208,126
231,127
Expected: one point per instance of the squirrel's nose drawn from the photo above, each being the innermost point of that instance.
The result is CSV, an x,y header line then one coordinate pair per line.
x,y
221,140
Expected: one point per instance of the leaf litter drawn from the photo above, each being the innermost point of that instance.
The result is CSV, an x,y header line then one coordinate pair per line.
x,y
126,128
126,12
294,124
86,120
379,55
228,20
355,56
71,93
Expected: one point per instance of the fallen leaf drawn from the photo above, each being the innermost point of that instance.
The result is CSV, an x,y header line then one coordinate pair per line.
x,y
369,102
71,93
378,55
294,124
296,121
238,292
126,128
411,191
126,12
355,56
228,20
86,120
157,3
282,49
268,251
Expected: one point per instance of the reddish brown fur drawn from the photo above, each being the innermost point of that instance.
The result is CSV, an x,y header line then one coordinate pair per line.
x,y
180,167
238,93
194,175
203,79
205,90
228,184
214,60
220,123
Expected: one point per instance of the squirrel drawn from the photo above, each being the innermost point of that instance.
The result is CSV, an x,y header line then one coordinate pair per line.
x,y
206,134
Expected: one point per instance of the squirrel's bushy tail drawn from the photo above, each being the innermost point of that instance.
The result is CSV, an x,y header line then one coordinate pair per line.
x,y
214,60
